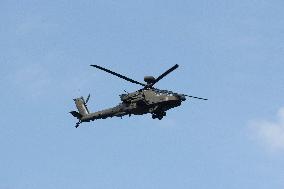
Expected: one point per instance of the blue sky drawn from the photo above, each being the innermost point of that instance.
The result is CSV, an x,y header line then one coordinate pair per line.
x,y
229,51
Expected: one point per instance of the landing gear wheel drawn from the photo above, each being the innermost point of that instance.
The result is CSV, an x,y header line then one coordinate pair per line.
x,y
78,123
160,117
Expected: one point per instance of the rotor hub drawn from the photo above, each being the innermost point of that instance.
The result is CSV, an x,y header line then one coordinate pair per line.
x,y
149,79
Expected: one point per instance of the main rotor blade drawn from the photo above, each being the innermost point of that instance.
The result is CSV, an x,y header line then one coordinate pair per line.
x,y
196,97
164,74
118,75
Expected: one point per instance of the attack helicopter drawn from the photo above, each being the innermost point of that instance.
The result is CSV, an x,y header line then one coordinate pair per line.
x,y
145,100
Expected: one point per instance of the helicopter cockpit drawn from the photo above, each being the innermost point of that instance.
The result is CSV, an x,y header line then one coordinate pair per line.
x,y
165,92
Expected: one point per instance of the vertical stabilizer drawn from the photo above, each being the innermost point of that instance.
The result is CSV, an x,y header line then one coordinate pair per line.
x,y
81,106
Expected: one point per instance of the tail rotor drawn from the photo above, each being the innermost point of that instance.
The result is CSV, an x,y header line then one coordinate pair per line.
x,y
82,108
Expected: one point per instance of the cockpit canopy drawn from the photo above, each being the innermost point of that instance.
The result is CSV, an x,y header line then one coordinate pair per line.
x,y
165,92
169,93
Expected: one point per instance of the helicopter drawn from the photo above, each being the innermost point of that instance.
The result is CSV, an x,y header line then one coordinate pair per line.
x,y
143,101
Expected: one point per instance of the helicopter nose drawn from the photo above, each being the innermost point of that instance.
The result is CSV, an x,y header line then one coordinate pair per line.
x,y
182,97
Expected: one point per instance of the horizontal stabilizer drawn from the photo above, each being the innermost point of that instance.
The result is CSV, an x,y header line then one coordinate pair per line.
x,y
76,114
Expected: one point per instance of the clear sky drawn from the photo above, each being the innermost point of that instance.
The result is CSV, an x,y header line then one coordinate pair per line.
x,y
231,52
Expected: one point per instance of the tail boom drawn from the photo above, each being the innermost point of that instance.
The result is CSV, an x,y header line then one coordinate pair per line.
x,y
83,114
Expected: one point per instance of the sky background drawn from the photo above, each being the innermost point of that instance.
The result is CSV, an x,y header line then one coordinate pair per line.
x,y
231,52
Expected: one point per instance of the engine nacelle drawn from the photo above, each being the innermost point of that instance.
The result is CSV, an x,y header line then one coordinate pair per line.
x,y
124,97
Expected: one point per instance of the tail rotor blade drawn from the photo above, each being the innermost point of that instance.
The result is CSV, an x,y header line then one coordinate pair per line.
x,y
88,98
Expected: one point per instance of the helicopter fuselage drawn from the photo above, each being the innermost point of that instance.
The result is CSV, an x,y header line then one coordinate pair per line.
x,y
140,102
146,100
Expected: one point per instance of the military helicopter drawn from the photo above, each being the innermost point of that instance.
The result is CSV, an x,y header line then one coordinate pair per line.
x,y
146,100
